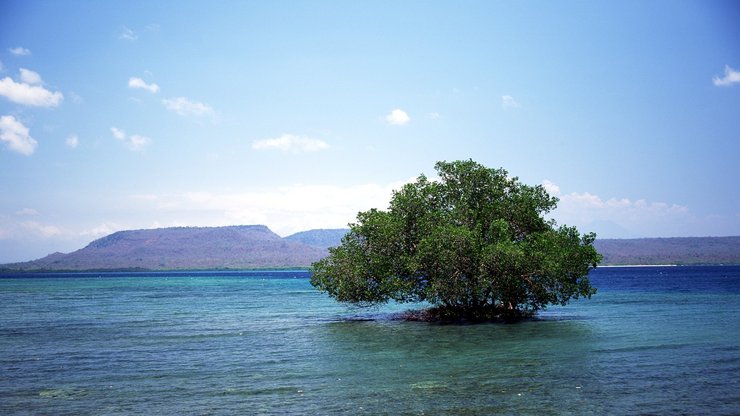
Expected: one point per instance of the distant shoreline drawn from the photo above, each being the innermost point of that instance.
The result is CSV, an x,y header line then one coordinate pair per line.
x,y
250,247
657,265
142,271
4,273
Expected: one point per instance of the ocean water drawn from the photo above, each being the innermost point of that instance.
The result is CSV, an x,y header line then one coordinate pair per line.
x,y
654,340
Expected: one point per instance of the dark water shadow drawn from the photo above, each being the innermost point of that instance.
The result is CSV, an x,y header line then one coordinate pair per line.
x,y
403,316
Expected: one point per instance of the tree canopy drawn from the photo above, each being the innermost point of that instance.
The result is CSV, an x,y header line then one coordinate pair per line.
x,y
474,244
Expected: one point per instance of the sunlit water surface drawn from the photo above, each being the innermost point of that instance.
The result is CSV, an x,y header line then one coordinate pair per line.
x,y
658,340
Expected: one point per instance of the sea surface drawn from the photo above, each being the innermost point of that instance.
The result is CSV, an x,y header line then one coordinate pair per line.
x,y
653,340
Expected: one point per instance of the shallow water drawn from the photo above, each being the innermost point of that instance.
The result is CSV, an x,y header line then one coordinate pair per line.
x,y
659,340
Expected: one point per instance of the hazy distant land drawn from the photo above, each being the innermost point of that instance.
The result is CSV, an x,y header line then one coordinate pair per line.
x,y
679,250
234,247
257,247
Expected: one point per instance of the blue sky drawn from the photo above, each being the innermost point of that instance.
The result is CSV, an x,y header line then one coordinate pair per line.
x,y
297,115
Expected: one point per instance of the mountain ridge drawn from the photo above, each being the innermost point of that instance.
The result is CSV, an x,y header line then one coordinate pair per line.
x,y
258,247
178,248
670,250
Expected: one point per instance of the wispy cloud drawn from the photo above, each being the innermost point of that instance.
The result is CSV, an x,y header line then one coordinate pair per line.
x,y
41,229
507,101
132,35
134,142
118,133
75,98
28,92
290,143
72,141
128,34
186,107
732,76
138,83
397,117
138,142
27,212
16,136
20,51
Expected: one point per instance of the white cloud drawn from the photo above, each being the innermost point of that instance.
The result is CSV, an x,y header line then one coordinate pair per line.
x,y
28,93
118,133
137,142
20,51
186,107
507,101
134,142
285,210
139,83
551,188
72,141
102,230
30,77
290,143
16,136
732,76
40,229
397,117
127,34
434,115
633,218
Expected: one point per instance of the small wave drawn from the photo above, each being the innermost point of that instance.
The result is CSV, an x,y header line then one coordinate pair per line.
x,y
65,393
428,385
645,348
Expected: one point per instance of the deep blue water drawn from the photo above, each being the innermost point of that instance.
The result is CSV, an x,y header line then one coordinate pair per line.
x,y
653,340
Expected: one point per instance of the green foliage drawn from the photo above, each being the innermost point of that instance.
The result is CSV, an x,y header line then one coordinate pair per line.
x,y
474,244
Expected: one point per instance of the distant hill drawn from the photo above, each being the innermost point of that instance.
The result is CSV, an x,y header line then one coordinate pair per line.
x,y
235,247
319,238
682,250
647,251
255,246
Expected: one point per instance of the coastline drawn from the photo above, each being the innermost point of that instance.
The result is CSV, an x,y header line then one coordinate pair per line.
x,y
651,265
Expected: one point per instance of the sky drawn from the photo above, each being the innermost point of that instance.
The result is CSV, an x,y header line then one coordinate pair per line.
x,y
122,115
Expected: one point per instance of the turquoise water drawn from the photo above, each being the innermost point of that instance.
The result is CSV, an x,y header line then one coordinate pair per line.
x,y
652,341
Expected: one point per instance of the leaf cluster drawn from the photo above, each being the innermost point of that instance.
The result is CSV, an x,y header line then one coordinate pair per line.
x,y
474,243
